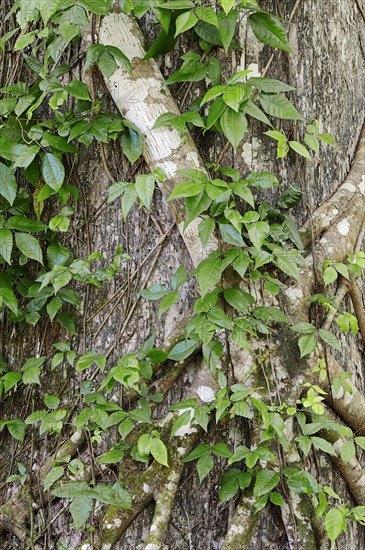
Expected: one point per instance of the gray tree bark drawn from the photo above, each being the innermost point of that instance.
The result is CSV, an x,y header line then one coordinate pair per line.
x,y
327,67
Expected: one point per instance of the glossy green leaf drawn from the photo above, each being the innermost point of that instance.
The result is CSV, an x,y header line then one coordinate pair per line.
x,y
266,481
234,126
206,228
204,465
269,30
159,451
335,523
53,171
258,232
300,149
54,475
185,21
29,246
278,106
182,350
6,244
329,338
80,509
307,344
8,185
145,186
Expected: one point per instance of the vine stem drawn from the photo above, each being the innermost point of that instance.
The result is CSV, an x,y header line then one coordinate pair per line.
x,y
133,275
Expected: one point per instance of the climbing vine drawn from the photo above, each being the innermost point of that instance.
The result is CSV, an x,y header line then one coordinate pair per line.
x,y
252,252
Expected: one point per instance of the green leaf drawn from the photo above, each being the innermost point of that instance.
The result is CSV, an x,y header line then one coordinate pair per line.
x,y
242,190
234,126
287,266
254,111
230,235
78,89
145,186
204,466
206,228
234,95
111,457
125,428
227,26
128,200
196,206
207,14
335,524
201,415
329,338
186,189
159,451
213,93
323,445
154,292
277,499
290,198
51,401
182,350
307,344
258,232
120,56
269,30
22,223
300,149
360,441
270,313
342,268
348,451
29,246
6,244
132,144
25,40
68,31
164,43
80,509
115,190
102,7
182,420
169,300
185,21
326,138
53,171
71,490
229,484
8,186
265,481
177,5
53,307
312,142
31,375
330,275
221,449
16,429
270,85
290,228
199,451
10,379
107,64
303,328
54,475
239,299
278,106
209,272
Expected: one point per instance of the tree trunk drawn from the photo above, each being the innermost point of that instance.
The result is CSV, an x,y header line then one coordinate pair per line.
x,y
327,67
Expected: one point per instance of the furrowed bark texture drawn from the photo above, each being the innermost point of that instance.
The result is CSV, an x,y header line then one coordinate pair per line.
x,y
328,68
